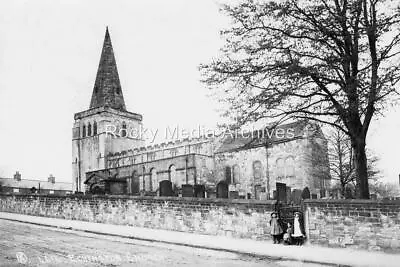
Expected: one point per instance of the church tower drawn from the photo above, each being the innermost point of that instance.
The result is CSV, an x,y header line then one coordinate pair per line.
x,y
106,127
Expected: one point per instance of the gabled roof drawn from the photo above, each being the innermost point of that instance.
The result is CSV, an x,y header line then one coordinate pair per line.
x,y
278,134
107,89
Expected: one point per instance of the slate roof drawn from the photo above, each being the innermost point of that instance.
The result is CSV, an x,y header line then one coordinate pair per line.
x,y
292,131
107,89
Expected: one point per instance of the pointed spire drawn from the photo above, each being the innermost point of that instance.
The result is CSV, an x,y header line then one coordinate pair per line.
x,y
107,89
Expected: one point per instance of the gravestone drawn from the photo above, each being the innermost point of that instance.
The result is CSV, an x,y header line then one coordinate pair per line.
x,y
234,194
187,190
199,191
166,188
222,189
281,189
306,193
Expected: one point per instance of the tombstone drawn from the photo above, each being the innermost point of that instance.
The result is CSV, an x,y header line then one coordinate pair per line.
x,y
257,191
222,189
199,191
306,193
374,196
166,188
296,196
234,194
274,195
187,190
281,189
314,196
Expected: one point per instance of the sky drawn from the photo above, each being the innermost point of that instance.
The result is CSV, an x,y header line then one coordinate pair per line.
x,y
49,53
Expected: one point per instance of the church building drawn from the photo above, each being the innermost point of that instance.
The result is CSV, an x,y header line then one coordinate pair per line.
x,y
256,166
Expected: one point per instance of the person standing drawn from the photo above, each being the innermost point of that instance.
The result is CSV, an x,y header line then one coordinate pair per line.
x,y
276,228
298,229
287,237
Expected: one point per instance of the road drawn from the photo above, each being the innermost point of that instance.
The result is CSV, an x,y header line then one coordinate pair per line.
x,y
24,244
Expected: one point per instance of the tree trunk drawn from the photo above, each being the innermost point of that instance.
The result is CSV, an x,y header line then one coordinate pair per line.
x,y
343,189
362,189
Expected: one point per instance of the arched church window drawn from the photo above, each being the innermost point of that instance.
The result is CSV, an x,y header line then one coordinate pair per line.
x,y
172,174
257,171
89,129
280,169
84,131
228,174
123,130
148,186
289,166
153,178
236,174
95,128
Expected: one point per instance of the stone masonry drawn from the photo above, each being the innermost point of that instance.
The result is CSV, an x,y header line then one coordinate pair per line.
x,y
359,224
234,218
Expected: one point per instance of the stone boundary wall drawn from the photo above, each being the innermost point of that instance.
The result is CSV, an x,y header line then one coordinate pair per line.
x,y
226,217
359,224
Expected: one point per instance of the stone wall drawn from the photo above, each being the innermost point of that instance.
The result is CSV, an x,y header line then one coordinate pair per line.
x,y
235,218
359,224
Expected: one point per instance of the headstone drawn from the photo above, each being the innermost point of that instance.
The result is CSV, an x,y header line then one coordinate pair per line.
x,y
222,190
314,196
281,189
234,194
199,191
296,196
187,190
166,188
306,193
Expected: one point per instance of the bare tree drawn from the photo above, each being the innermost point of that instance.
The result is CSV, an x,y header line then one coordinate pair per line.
x,y
342,160
384,189
332,61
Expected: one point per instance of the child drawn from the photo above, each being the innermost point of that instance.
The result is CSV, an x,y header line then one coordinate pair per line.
x,y
287,237
298,229
276,229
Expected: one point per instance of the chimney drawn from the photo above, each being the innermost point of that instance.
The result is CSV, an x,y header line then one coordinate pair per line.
x,y
17,176
51,179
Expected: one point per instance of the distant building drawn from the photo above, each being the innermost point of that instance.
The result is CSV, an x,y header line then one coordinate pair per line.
x,y
17,185
251,166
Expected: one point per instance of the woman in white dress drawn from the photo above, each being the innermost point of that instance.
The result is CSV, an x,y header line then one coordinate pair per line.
x,y
298,229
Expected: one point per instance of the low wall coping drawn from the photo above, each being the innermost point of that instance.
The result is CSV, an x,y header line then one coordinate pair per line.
x,y
156,198
352,201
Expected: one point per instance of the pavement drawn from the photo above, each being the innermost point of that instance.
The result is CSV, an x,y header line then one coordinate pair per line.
x,y
307,253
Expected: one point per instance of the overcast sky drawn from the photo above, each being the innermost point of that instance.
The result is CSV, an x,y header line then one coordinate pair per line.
x,y
49,53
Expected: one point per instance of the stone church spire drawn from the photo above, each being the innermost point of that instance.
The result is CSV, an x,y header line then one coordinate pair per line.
x,y
107,89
